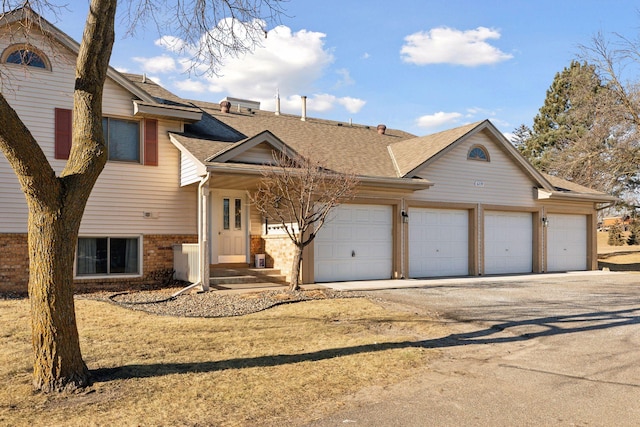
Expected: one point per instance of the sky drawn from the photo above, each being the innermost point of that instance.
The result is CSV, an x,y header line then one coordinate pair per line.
x,y
422,66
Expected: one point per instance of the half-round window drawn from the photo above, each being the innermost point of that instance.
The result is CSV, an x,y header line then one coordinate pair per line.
x,y
25,55
478,152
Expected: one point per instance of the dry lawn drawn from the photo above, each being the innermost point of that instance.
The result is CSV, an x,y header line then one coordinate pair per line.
x,y
283,366
617,258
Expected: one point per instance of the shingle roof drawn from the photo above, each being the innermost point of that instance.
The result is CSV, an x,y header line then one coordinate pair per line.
x,y
564,185
341,147
411,153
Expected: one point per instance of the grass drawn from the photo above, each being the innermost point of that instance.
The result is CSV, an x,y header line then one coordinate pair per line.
x,y
617,258
287,365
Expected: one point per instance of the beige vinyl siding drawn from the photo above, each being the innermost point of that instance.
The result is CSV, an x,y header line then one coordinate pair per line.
x,y
256,227
34,93
498,182
124,190
259,155
188,170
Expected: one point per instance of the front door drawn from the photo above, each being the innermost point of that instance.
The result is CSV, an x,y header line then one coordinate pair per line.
x,y
231,226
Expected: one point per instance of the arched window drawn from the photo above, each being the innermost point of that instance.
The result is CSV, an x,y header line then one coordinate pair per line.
x,y
478,152
25,55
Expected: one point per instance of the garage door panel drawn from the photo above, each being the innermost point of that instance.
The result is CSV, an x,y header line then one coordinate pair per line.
x,y
508,242
355,244
438,242
566,242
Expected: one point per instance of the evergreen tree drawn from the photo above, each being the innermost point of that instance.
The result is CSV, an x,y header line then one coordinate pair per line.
x,y
615,235
634,230
554,126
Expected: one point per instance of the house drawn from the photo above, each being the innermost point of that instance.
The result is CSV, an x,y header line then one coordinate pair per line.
x,y
457,203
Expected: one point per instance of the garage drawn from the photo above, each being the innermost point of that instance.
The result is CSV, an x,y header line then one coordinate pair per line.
x,y
508,242
438,242
566,242
355,244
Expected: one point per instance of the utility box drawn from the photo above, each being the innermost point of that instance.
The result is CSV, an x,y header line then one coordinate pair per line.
x,y
261,261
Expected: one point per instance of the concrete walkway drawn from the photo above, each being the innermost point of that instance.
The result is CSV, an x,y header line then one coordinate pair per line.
x,y
370,285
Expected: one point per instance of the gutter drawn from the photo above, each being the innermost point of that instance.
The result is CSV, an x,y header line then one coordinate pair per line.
x,y
541,194
384,182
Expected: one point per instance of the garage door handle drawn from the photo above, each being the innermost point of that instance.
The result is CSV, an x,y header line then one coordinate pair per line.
x,y
353,254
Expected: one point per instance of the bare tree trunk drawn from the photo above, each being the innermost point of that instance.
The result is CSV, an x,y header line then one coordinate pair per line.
x,y
58,363
294,283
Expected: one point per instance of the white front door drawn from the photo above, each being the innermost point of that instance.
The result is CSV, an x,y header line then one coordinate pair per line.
x,y
231,226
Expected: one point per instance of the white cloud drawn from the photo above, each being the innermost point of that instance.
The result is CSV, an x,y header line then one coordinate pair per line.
x,y
352,105
191,85
445,45
345,79
289,62
438,119
365,55
173,44
509,135
157,64
286,61
320,103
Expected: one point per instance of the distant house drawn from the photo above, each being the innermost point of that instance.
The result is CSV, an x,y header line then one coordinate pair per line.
x,y
457,203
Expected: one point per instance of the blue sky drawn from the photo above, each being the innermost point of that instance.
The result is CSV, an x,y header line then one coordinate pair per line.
x,y
417,65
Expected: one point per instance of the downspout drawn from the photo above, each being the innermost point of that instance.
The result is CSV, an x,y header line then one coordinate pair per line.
x,y
203,238
403,226
203,241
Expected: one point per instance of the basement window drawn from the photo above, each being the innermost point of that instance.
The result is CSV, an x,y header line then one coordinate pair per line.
x,y
105,256
478,152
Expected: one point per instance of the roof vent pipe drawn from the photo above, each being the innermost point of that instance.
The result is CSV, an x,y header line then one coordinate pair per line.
x,y
278,104
382,129
304,109
225,106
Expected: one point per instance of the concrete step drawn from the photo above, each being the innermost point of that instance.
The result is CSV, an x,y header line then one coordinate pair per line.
x,y
226,276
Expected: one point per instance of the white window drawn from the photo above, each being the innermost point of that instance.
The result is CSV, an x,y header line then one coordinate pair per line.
x,y
100,256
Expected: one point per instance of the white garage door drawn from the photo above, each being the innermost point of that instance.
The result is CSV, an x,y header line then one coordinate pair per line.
x,y
508,242
356,244
566,242
438,242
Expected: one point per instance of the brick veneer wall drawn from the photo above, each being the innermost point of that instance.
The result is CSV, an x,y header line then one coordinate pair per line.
x,y
157,264
280,251
257,247
14,262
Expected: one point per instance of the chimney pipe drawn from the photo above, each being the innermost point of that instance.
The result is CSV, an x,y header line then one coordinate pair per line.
x,y
382,129
277,104
304,109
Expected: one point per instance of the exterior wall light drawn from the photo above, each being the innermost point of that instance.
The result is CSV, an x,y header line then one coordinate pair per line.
x,y
545,221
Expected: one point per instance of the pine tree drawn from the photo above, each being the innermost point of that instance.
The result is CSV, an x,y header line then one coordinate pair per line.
x,y
554,126
633,238
615,235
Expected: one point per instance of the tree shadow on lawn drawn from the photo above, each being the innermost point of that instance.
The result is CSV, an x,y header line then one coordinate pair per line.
x,y
538,327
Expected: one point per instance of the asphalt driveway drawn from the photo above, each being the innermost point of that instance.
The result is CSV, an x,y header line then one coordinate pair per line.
x,y
541,350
